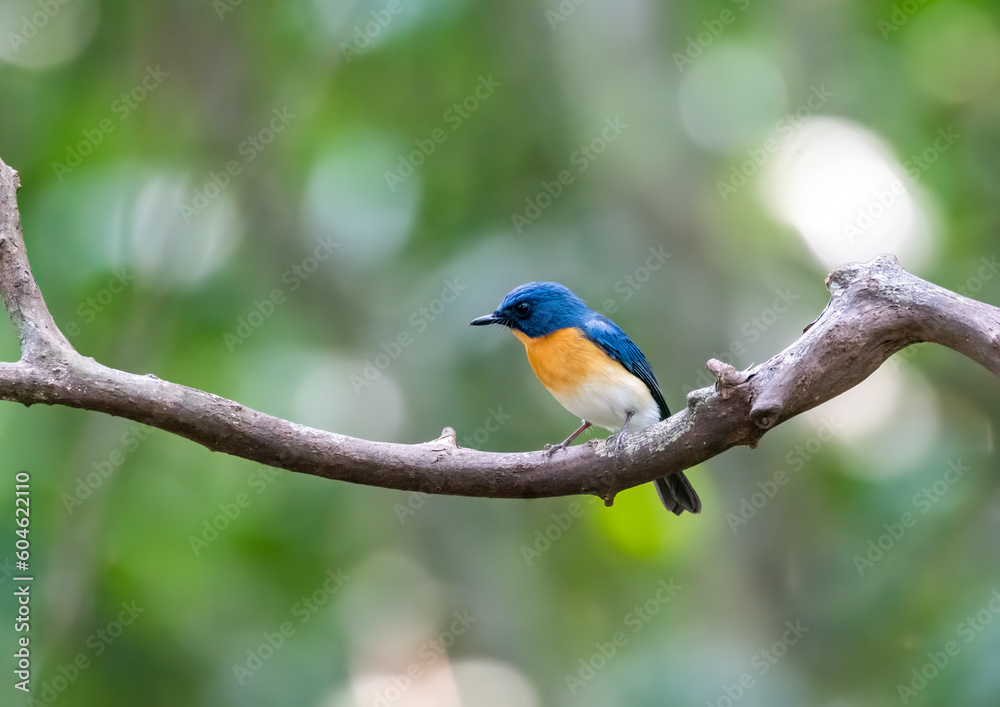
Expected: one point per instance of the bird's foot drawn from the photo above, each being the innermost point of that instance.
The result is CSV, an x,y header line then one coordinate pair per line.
x,y
618,439
551,449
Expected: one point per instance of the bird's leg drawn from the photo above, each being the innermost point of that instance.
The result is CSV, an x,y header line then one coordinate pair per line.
x,y
551,448
621,434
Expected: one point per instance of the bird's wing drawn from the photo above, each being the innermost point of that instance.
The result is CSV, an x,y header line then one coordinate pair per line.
x,y
616,344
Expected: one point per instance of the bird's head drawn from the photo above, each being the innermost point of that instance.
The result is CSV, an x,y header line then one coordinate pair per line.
x,y
537,309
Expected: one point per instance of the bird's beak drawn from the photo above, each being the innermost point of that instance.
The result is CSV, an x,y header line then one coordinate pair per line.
x,y
483,321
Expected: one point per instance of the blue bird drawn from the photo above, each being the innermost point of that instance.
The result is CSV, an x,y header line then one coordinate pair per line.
x,y
592,368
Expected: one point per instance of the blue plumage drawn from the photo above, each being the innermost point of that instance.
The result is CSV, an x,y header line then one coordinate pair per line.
x,y
616,344
551,307
591,367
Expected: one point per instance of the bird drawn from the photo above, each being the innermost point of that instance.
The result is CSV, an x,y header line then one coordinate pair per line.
x,y
591,368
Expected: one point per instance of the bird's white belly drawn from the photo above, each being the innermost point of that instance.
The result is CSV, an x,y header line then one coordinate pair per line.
x,y
607,403
588,383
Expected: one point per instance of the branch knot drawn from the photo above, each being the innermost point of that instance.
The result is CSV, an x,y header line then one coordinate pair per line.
x,y
727,378
765,417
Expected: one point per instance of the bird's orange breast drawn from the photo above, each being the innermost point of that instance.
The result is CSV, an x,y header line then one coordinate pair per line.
x,y
565,359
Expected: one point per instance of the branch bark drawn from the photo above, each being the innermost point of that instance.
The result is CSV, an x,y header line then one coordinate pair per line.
x,y
875,310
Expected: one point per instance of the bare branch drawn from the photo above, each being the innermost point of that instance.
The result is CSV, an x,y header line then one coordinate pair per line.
x,y
37,332
875,310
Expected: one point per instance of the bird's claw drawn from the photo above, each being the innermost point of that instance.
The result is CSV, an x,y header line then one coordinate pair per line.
x,y
620,436
551,449
618,439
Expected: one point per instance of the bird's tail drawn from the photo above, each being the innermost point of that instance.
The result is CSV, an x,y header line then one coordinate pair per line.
x,y
677,494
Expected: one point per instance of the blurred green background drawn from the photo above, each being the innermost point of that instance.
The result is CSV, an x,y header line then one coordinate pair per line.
x,y
300,205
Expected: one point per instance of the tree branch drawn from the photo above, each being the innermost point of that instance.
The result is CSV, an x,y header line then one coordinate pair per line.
x,y
875,310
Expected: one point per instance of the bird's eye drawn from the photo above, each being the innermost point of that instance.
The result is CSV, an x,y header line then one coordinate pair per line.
x,y
522,308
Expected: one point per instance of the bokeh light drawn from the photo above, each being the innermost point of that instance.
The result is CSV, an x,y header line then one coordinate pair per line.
x,y
730,97
40,36
838,185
